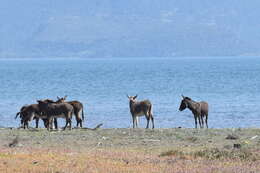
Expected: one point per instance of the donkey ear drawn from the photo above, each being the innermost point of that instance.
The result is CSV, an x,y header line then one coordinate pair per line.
x,y
183,96
135,96
58,97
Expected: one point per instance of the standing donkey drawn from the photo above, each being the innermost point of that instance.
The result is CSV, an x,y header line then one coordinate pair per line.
x,y
30,112
141,108
199,110
77,107
56,110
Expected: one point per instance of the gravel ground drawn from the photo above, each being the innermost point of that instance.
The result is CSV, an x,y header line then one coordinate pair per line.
x,y
130,150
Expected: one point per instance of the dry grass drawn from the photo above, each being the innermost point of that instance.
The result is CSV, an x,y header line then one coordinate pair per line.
x,y
216,154
130,151
111,161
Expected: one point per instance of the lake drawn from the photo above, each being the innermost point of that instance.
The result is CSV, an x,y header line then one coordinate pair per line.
x,y
231,86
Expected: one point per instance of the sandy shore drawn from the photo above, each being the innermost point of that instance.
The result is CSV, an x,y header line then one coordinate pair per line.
x,y
130,150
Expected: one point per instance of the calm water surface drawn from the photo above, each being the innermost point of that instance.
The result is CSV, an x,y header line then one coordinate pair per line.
x,y
230,85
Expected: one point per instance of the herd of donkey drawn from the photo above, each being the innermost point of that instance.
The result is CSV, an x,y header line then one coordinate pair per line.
x,y
49,110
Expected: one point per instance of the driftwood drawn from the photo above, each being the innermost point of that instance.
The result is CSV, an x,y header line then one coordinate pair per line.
x,y
97,127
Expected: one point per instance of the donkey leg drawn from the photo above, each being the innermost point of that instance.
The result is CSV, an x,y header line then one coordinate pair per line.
x,y
49,123
23,121
195,118
77,122
199,117
136,122
206,121
70,123
79,119
45,122
80,122
27,124
56,123
52,123
37,122
152,121
133,121
67,121
151,115
24,125
29,118
202,121
148,120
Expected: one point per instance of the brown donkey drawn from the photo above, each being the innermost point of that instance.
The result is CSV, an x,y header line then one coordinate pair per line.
x,y
77,107
199,110
30,112
140,108
56,110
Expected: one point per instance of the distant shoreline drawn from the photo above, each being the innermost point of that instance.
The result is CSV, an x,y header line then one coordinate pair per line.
x,y
128,58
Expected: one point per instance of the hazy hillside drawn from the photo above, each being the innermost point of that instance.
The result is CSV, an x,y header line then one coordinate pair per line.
x,y
120,28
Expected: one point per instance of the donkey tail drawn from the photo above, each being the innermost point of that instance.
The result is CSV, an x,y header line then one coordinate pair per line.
x,y
82,114
17,114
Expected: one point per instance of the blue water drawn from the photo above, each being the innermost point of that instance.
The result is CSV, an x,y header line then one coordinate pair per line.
x,y
230,85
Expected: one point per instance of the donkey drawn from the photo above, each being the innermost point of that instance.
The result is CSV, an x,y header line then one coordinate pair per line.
x,y
141,108
28,113
199,110
56,110
77,107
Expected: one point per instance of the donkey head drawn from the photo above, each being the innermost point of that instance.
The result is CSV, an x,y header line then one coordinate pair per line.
x,y
184,103
61,100
132,98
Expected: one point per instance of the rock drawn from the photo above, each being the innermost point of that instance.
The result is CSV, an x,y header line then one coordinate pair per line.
x,y
14,143
254,137
228,147
232,137
19,145
238,146
126,161
104,138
